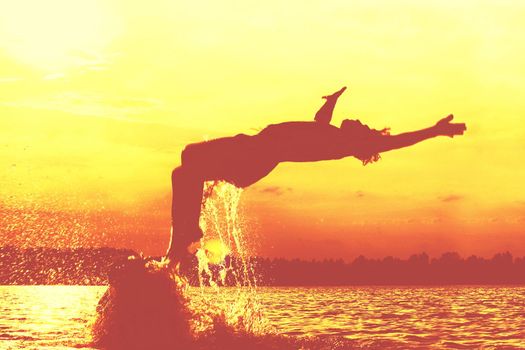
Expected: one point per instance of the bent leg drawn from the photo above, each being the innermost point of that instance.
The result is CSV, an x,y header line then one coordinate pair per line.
x,y
186,202
324,114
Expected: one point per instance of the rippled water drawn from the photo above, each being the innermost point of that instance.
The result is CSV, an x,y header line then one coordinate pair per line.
x,y
370,317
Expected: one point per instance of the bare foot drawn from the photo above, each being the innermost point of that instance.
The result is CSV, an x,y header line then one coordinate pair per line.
x,y
336,94
176,254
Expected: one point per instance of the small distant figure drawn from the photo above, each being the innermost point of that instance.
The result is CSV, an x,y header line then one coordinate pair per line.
x,y
242,160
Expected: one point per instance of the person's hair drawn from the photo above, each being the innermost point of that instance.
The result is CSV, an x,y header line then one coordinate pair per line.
x,y
365,135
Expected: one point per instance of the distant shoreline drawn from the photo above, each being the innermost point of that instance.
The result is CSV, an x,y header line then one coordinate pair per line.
x,y
92,266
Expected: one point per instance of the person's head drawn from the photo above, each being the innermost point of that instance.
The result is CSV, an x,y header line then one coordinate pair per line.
x,y
363,138
354,127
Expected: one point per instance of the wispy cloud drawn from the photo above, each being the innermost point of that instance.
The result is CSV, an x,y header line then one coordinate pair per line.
x,y
91,105
7,80
54,76
275,190
451,198
91,60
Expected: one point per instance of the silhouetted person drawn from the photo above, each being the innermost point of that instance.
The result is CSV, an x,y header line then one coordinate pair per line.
x,y
243,160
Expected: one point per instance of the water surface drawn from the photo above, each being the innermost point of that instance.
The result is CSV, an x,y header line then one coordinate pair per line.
x,y
59,317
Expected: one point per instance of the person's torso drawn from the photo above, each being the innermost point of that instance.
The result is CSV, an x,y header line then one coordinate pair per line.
x,y
244,159
303,141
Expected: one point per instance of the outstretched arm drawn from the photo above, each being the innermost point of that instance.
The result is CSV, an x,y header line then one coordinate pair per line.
x,y
444,127
324,114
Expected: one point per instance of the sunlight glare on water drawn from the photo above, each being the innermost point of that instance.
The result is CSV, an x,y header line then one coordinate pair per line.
x,y
33,317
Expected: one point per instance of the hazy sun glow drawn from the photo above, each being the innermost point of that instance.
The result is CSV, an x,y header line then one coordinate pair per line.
x,y
215,250
97,98
57,34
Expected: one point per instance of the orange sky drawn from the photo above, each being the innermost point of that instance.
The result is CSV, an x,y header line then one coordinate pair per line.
x,y
97,99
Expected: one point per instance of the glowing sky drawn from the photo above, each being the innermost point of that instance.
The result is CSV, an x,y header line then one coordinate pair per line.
x,y
97,99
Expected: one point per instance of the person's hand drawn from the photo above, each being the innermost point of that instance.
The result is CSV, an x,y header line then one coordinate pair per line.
x,y
444,127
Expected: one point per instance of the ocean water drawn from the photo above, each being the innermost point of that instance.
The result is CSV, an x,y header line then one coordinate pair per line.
x,y
59,317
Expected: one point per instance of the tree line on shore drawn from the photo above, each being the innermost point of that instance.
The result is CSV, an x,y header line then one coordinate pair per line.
x,y
91,266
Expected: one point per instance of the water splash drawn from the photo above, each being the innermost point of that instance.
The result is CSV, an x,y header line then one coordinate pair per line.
x,y
43,241
224,260
221,222
144,308
131,312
